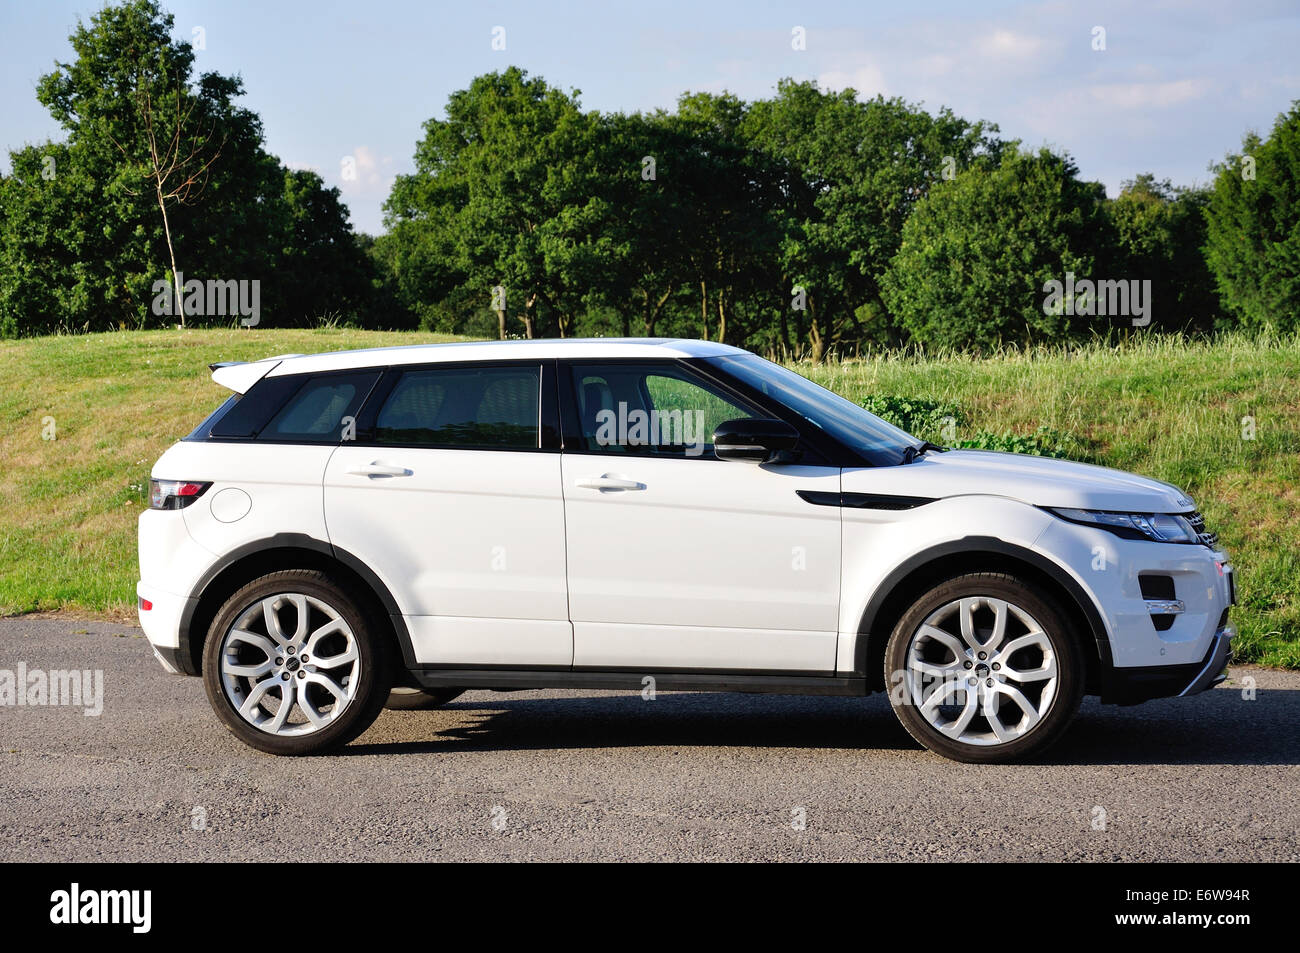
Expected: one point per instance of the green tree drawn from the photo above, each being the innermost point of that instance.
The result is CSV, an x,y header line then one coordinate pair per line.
x,y
643,206
48,217
319,257
977,252
1159,231
161,172
856,170
139,130
503,190
1253,235
729,191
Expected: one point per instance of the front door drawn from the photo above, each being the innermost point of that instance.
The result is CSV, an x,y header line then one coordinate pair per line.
x,y
677,559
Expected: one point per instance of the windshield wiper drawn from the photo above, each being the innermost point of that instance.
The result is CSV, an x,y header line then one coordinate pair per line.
x,y
911,452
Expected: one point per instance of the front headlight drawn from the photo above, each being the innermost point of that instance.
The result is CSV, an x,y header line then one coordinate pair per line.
x,y
1159,527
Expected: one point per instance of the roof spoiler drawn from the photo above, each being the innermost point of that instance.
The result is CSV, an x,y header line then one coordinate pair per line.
x,y
239,376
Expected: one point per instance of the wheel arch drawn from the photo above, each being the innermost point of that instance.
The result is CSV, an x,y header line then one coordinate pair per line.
x,y
282,551
892,598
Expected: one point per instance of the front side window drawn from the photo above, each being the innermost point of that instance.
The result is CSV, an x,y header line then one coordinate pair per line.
x,y
659,409
877,441
463,407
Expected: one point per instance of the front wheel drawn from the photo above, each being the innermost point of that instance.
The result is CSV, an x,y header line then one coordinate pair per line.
x,y
984,668
293,667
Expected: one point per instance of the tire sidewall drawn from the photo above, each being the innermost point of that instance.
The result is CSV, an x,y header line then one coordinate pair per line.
x,y
1065,646
373,682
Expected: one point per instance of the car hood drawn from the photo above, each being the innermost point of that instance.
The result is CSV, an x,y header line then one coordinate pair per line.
x,y
1040,481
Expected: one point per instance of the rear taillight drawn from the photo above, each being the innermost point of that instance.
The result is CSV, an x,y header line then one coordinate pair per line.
x,y
174,494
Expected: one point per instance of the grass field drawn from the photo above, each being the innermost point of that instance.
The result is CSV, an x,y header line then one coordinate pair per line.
x,y
1165,409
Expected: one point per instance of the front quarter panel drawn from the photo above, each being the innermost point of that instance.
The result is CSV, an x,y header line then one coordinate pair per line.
x,y
878,541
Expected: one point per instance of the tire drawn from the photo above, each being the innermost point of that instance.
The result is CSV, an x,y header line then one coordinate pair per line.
x,y
932,658
247,657
402,698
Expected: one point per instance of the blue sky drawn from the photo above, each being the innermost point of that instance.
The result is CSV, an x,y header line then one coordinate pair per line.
x,y
1176,86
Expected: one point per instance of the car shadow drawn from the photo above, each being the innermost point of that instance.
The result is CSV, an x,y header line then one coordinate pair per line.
x,y
1217,727
491,721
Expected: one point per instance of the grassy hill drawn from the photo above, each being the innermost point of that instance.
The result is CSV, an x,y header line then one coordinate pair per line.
x,y
1165,409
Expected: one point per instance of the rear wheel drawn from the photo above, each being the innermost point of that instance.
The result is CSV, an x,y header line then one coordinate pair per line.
x,y
984,668
403,698
291,665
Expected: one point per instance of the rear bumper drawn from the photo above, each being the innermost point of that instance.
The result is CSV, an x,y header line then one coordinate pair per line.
x,y
162,626
1131,686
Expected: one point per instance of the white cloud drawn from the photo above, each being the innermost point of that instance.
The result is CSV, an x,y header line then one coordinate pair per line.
x,y
1149,95
868,80
1008,44
365,173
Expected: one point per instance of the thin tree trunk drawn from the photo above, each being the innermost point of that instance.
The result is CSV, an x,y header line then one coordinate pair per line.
x,y
652,313
529,324
815,335
171,253
704,311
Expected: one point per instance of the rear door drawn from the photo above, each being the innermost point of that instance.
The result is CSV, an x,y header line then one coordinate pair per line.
x,y
451,494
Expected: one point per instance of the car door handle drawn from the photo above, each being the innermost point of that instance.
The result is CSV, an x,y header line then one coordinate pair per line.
x,y
380,469
609,483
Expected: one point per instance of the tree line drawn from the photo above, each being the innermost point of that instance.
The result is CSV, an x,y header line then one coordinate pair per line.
x,y
808,224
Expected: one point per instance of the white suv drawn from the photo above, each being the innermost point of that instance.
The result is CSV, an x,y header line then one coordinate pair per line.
x,y
397,526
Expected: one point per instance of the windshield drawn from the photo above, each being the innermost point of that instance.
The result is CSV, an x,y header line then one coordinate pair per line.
x,y
880,443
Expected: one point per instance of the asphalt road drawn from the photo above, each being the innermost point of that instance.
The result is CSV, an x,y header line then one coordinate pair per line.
x,y
581,775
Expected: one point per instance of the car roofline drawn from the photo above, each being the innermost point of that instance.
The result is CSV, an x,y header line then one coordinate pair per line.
x,y
473,351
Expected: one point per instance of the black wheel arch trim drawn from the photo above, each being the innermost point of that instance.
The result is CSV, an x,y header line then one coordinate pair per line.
x,y
983,544
185,654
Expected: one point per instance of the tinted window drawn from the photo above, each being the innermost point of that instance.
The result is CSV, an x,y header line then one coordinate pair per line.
x,y
879,442
202,430
245,416
484,407
317,410
650,408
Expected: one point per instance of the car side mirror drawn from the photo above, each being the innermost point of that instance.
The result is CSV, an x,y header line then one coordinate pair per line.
x,y
754,439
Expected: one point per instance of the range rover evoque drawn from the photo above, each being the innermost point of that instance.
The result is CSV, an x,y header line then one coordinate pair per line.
x,y
396,526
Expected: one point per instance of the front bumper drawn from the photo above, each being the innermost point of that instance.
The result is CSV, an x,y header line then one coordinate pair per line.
x,y
1215,669
1132,686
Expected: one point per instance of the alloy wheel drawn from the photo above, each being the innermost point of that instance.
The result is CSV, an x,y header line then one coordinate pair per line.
x,y
290,664
981,671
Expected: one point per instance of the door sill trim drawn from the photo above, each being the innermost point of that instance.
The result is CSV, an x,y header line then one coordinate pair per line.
x,y
664,680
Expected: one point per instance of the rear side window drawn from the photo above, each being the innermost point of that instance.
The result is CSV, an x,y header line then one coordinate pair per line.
x,y
248,414
203,430
320,409
466,407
